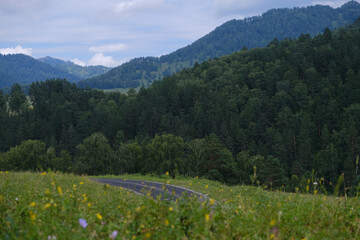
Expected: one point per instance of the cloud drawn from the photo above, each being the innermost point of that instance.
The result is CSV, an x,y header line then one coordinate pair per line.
x,y
78,62
16,50
130,6
101,59
108,48
229,7
334,4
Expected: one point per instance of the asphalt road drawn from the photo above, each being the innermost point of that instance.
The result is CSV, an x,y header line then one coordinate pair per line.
x,y
155,189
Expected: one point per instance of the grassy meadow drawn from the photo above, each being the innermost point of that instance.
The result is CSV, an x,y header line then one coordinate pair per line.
x,y
65,206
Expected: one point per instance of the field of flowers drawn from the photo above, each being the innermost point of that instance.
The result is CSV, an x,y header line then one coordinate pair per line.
x,y
65,206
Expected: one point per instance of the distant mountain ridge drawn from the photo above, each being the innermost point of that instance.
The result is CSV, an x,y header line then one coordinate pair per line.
x,y
81,72
23,69
228,38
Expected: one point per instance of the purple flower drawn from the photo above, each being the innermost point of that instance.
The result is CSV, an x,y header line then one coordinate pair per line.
x,y
83,222
113,235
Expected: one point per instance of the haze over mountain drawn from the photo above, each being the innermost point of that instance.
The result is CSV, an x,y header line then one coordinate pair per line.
x,y
80,71
23,69
232,36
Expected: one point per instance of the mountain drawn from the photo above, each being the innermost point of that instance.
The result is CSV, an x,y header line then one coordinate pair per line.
x,y
74,69
23,69
232,36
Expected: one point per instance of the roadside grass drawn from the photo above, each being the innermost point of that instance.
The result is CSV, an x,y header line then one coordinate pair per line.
x,y
65,206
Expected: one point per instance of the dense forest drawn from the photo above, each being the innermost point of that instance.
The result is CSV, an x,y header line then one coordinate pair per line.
x,y
291,109
232,36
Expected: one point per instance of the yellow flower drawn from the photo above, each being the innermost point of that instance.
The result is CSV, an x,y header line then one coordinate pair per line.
x,y
32,216
107,185
81,183
167,173
148,235
47,205
207,217
98,215
272,222
47,192
6,172
211,201
166,222
307,188
190,184
89,204
206,186
197,177
59,191
43,174
84,195
33,204
171,209
272,236
315,192
53,183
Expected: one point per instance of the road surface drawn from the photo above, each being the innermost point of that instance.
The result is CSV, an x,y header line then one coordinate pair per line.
x,y
154,189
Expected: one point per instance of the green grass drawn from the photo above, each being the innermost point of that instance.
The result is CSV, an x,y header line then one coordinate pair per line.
x,y
32,206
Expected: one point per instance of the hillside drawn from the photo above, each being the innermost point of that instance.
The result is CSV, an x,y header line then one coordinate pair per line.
x,y
290,109
74,69
23,69
230,37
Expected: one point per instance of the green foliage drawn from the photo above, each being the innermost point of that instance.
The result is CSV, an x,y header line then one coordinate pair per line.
x,y
94,155
231,37
29,155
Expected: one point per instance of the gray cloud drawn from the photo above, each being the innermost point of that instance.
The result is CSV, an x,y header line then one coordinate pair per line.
x,y
78,29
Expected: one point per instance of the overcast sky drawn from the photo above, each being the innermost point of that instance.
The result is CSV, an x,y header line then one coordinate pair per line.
x,y
110,32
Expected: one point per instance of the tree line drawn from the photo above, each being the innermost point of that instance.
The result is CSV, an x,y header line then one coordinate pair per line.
x,y
288,109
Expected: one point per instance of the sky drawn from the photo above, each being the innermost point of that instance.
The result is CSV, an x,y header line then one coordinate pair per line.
x,y
111,32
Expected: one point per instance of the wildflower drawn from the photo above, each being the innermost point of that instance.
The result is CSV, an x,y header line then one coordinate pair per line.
x,y
206,186
197,177
47,205
89,204
148,235
272,236
207,217
113,235
51,237
211,201
83,222
315,183
307,188
32,216
59,191
167,173
81,183
33,204
6,172
98,215
190,184
107,185
315,192
308,180
166,222
43,174
53,183
171,209
272,222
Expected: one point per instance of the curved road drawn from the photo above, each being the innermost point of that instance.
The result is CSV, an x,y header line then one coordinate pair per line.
x,y
154,189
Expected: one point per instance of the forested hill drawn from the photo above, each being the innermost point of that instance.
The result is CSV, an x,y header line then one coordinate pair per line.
x,y
81,72
23,69
230,37
291,109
